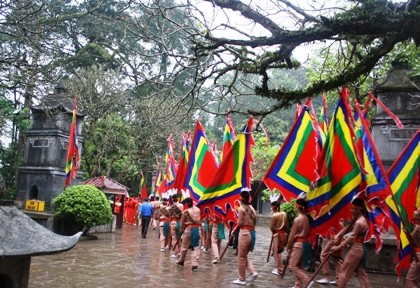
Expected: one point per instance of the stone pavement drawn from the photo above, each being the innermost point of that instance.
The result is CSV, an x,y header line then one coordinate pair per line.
x,y
124,259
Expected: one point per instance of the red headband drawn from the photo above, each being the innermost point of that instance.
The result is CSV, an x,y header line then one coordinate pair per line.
x,y
355,207
298,205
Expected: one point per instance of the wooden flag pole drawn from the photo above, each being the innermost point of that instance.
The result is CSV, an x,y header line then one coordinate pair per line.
x,y
269,248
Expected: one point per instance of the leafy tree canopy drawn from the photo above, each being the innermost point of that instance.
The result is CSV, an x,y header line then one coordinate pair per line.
x,y
356,36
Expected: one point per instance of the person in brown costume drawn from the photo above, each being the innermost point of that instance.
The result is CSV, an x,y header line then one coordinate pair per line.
x,y
298,234
413,275
190,224
164,216
278,225
217,235
335,257
175,225
246,241
353,261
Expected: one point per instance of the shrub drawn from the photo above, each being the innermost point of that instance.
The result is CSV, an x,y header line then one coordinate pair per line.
x,y
289,208
86,205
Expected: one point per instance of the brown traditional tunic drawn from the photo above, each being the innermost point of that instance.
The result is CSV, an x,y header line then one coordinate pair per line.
x,y
246,223
298,235
164,217
278,225
188,222
353,259
413,274
174,221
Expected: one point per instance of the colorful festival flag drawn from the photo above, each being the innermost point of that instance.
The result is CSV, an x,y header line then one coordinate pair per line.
x,y
228,137
404,177
340,173
179,183
374,178
233,174
298,110
213,147
324,114
73,158
142,187
294,170
158,182
171,164
202,164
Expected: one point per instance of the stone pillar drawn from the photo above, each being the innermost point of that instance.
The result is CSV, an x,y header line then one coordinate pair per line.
x,y
42,174
401,94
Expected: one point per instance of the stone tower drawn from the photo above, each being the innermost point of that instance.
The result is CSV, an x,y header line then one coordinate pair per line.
x,y
401,94
42,174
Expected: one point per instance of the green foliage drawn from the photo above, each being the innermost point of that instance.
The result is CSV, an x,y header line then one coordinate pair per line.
x,y
289,208
265,195
86,205
263,154
8,167
11,121
406,54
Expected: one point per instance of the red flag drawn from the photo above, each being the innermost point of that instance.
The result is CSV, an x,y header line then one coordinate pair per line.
x,y
294,170
73,158
228,137
179,183
233,174
340,173
404,177
171,164
324,120
143,189
375,180
202,164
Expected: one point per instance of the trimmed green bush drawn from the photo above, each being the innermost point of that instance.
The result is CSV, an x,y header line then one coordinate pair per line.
x,y
289,208
85,205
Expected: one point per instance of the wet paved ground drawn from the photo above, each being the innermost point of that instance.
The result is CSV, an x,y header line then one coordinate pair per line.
x,y
124,259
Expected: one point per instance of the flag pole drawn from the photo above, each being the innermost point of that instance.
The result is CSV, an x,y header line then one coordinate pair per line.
x,y
232,235
269,248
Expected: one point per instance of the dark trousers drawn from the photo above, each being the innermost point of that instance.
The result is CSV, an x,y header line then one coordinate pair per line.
x,y
145,221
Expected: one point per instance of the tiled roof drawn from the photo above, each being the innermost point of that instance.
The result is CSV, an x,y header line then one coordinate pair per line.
x,y
108,185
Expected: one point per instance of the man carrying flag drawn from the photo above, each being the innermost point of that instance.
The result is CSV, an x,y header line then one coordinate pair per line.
x,y
175,226
413,274
246,223
190,224
353,261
